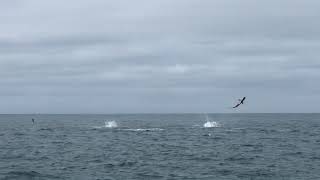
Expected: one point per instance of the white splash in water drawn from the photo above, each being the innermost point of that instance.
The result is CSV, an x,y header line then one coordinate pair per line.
x,y
111,124
107,124
211,124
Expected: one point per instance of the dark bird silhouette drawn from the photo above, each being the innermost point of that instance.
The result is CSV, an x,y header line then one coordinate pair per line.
x,y
32,120
240,102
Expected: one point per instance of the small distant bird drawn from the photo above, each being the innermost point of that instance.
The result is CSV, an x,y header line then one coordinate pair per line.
x,y
240,102
32,120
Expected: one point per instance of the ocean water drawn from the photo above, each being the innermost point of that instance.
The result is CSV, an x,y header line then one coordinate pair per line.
x,y
160,146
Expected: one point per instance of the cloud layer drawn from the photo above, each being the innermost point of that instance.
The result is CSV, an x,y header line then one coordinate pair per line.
x,y
159,56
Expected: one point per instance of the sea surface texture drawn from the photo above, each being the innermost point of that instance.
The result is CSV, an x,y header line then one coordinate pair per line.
x,y
160,146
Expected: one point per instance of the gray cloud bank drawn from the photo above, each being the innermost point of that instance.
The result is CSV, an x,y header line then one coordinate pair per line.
x,y
159,56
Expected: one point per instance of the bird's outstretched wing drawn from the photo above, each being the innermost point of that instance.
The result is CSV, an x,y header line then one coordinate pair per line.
x,y
236,106
244,98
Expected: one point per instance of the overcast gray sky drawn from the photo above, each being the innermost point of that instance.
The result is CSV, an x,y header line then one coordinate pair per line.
x,y
125,56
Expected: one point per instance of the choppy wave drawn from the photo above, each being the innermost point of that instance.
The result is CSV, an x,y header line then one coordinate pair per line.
x,y
211,124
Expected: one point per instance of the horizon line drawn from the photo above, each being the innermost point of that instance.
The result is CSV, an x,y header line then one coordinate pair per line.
x,y
164,113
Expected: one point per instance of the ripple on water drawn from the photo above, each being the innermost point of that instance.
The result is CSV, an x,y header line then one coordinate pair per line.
x,y
26,175
263,147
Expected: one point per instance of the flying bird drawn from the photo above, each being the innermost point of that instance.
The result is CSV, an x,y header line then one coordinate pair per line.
x,y
240,102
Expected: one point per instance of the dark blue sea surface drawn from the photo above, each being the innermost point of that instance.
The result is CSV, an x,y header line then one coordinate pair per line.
x,y
160,146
